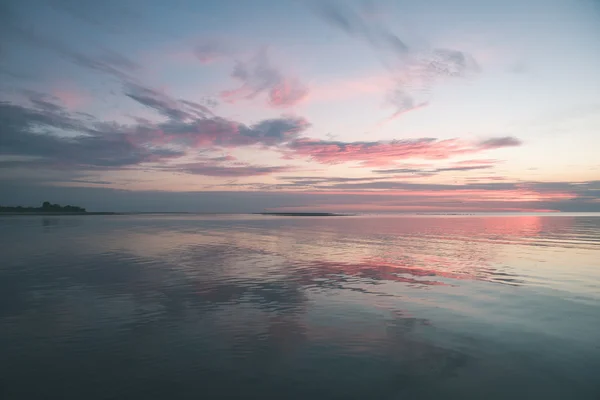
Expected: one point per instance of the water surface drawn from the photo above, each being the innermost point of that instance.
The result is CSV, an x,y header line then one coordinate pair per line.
x,y
265,307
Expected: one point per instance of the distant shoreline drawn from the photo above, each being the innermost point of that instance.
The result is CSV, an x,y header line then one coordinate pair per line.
x,y
57,213
283,214
301,214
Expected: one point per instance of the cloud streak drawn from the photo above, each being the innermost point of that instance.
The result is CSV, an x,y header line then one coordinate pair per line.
x,y
433,171
107,62
358,26
165,105
225,171
381,153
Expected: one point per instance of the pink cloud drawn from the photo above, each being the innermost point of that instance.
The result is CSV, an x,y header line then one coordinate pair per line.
x,y
341,90
258,77
387,153
287,93
71,98
220,132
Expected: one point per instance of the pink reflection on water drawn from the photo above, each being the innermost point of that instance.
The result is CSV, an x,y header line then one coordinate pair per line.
x,y
409,249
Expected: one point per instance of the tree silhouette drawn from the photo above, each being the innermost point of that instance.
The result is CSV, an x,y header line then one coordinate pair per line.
x,y
46,207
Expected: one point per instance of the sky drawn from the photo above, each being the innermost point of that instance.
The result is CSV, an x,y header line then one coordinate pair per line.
x,y
301,105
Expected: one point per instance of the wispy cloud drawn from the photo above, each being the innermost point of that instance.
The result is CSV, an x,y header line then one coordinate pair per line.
x,y
105,61
257,77
356,24
414,70
209,51
112,15
13,26
404,103
70,97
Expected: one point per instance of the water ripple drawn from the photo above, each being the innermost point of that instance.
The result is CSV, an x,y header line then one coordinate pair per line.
x,y
262,307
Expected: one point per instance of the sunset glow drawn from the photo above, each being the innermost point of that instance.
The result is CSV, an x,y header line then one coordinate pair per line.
x,y
366,106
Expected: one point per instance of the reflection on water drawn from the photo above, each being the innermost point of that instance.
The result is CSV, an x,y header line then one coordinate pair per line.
x,y
496,307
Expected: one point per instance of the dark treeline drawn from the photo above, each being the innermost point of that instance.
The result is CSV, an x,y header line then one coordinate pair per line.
x,y
46,207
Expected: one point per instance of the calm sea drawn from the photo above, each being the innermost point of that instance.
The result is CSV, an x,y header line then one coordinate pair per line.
x,y
264,307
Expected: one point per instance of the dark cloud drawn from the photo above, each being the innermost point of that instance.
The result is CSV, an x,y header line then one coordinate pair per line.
x,y
203,107
196,125
258,76
44,102
320,181
464,168
274,131
61,139
165,105
92,182
28,132
209,169
432,171
416,171
325,179
221,132
495,143
15,118
395,185
224,158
